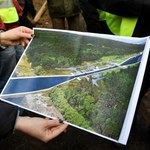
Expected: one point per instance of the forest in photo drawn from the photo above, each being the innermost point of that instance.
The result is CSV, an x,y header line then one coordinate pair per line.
x,y
50,52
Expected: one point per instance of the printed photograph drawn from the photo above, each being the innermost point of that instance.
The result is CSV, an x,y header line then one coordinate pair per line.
x,y
84,79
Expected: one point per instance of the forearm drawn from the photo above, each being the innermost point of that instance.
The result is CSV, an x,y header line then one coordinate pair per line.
x,y
24,124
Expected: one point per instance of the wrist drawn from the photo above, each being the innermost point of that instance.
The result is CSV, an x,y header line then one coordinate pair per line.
x,y
21,122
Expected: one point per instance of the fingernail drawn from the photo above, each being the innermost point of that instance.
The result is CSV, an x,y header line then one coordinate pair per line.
x,y
61,121
32,35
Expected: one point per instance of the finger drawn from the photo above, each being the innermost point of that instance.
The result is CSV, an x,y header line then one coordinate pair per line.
x,y
11,43
26,30
24,42
57,130
25,35
53,123
46,118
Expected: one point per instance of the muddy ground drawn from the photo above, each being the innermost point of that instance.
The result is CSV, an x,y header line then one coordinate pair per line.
x,y
75,139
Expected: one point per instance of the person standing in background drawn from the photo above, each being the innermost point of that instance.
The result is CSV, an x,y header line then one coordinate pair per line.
x,y
65,10
91,17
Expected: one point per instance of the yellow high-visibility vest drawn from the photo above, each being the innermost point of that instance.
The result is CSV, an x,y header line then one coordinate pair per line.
x,y
118,25
8,12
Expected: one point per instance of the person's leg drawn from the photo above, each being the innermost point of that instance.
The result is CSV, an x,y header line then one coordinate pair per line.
x,y
29,8
19,51
7,64
58,23
74,22
91,16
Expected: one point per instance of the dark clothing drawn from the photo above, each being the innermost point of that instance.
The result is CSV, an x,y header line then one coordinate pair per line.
x,y
128,8
146,79
29,8
72,22
62,11
8,60
91,16
8,114
24,21
63,8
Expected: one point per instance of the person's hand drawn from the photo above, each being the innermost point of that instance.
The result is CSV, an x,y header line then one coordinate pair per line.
x,y
40,128
17,36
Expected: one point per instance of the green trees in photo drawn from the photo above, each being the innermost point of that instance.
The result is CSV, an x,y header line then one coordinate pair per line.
x,y
69,113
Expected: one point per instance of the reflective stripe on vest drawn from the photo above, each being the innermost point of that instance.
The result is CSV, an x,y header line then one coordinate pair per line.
x,y
118,25
8,12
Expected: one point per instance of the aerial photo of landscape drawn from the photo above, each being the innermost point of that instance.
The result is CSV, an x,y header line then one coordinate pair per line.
x,y
85,80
